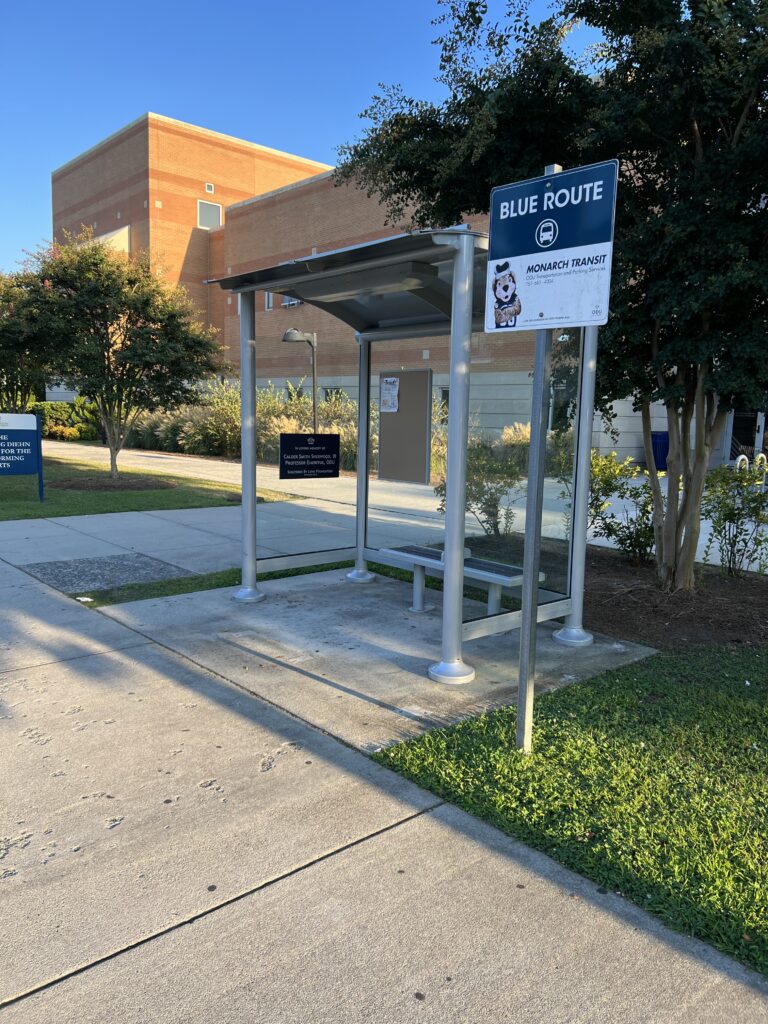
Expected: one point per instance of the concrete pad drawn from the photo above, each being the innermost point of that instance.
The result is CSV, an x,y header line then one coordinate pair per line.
x,y
441,919
41,626
79,574
351,659
146,790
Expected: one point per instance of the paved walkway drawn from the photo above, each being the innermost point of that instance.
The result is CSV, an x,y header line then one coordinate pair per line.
x,y
178,849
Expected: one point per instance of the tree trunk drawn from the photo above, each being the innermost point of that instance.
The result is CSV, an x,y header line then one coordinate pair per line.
x,y
112,435
677,526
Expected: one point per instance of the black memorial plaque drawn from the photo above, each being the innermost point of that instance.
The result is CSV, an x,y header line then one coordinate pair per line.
x,y
309,456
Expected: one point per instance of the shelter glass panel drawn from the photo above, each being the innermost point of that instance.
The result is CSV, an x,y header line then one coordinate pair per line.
x,y
303,515
408,442
501,392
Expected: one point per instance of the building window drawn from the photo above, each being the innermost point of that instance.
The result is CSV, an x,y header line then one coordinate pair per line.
x,y
333,394
268,299
292,393
209,188
288,302
208,215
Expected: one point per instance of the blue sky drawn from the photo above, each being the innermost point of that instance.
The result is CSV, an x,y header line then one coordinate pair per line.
x,y
293,76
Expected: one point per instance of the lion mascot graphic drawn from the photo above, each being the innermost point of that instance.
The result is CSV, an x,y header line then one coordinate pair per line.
x,y
508,305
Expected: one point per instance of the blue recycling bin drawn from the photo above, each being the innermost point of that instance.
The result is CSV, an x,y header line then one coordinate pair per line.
x,y
660,445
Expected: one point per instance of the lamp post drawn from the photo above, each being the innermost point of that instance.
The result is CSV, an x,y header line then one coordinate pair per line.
x,y
292,335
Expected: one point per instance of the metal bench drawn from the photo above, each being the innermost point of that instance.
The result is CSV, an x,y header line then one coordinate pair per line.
x,y
496,574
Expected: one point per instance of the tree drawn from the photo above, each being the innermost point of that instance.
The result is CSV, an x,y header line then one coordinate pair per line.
x,y
126,340
678,92
26,352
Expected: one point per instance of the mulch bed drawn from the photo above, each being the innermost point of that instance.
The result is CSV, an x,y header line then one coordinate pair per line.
x,y
623,601
98,483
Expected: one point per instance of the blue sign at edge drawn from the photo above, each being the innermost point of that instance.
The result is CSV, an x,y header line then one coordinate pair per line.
x,y
32,462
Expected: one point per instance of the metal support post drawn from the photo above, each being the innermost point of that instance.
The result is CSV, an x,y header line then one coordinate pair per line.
x,y
533,506
249,591
313,346
573,634
451,668
360,573
494,598
419,589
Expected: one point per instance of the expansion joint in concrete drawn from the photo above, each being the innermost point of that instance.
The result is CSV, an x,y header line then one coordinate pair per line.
x,y
200,915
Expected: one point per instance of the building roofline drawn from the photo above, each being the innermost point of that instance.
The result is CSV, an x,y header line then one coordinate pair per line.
x,y
99,144
283,188
150,116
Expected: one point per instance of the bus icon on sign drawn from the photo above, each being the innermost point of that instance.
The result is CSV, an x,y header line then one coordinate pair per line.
x,y
546,233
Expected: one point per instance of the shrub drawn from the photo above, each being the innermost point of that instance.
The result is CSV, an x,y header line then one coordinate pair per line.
x,y
268,436
632,529
736,503
160,431
52,414
558,459
80,416
58,432
86,414
516,441
492,478
607,476
214,428
86,432
439,450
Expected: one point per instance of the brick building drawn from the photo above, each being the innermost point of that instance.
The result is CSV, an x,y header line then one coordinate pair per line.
x,y
163,186
206,205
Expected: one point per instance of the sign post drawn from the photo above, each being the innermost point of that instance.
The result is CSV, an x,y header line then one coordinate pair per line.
x,y
21,452
549,266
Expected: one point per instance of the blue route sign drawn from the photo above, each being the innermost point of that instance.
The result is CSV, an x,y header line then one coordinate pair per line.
x,y
20,447
550,250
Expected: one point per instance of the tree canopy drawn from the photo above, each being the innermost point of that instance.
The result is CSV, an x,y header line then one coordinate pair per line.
x,y
27,352
124,338
676,91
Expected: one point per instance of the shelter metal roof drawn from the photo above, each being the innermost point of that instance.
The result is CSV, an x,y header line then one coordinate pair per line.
x,y
391,288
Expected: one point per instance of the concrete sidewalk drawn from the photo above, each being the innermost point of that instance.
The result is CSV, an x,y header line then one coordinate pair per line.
x,y
178,850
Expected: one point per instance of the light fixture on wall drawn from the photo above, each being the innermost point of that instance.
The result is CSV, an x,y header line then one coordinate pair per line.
x,y
293,334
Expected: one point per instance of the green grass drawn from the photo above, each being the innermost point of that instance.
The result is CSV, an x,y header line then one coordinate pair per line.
x,y
192,584
651,780
18,494
232,577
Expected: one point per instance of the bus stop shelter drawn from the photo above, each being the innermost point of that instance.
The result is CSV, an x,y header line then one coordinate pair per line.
x,y
423,285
